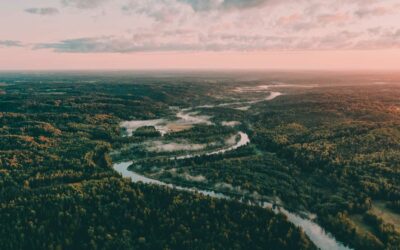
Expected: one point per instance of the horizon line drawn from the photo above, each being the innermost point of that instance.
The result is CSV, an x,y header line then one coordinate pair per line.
x,y
203,70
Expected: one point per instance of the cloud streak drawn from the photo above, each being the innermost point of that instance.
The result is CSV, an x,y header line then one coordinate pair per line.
x,y
189,41
207,5
84,4
372,12
10,43
42,11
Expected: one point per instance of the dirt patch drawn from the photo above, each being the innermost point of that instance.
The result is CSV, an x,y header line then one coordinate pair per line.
x,y
174,127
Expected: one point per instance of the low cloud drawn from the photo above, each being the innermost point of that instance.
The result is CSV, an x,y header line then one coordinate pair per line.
x,y
174,41
289,20
111,44
333,18
10,43
371,12
297,22
42,11
207,5
387,39
84,4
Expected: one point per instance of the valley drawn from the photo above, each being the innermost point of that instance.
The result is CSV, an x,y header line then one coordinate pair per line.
x,y
294,160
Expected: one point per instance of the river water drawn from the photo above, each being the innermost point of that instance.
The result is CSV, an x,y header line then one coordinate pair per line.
x,y
317,235
244,139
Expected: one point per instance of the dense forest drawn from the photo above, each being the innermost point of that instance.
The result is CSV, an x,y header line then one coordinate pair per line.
x,y
58,189
329,146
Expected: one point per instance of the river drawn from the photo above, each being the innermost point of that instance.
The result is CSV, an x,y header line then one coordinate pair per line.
x,y
317,234
244,139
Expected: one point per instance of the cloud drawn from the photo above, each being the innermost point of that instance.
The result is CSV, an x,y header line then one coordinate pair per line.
x,y
297,22
289,20
231,25
203,5
187,40
207,5
371,12
10,43
375,30
84,4
243,4
42,11
333,18
111,44
161,11
389,38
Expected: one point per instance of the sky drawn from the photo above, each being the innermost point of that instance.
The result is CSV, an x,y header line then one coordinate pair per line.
x,y
200,34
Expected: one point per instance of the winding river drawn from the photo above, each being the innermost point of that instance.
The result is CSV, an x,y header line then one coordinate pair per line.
x,y
321,239
318,236
244,139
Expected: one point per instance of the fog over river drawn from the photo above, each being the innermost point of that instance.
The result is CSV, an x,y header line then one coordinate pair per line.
x,y
186,118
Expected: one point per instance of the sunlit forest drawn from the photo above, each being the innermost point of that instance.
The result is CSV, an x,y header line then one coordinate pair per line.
x,y
324,146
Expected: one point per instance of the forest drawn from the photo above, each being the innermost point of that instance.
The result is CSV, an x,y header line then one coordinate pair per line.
x,y
58,189
327,145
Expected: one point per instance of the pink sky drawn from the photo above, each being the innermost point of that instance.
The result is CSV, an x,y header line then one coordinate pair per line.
x,y
194,34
